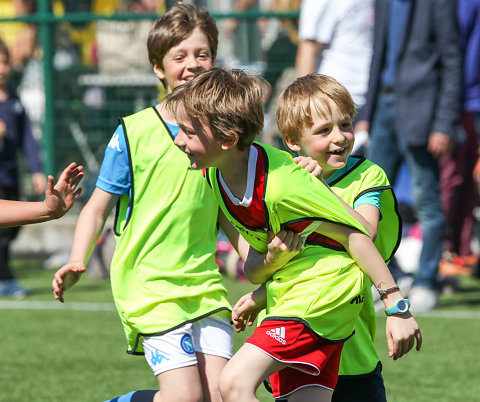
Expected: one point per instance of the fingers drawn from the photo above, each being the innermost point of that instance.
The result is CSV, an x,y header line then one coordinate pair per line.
x,y
418,336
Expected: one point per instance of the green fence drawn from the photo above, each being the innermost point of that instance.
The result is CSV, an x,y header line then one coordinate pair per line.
x,y
89,69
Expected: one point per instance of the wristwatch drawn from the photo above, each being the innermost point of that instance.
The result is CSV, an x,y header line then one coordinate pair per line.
x,y
401,306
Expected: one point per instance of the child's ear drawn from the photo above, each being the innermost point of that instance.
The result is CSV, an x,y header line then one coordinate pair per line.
x,y
232,140
158,72
293,144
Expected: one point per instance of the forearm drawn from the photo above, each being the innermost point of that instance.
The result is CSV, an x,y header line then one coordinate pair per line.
x,y
364,252
258,268
306,58
88,230
15,213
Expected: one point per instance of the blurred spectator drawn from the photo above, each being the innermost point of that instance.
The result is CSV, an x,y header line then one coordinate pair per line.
x,y
412,111
121,44
19,37
336,40
15,135
459,195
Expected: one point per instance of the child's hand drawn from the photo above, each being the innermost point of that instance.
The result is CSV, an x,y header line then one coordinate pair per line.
x,y
247,308
310,165
282,247
66,277
402,330
60,197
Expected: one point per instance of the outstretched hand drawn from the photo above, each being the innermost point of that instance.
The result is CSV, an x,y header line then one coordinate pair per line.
x,y
65,278
402,331
60,197
248,307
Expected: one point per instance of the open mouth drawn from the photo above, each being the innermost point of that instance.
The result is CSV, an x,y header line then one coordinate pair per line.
x,y
338,152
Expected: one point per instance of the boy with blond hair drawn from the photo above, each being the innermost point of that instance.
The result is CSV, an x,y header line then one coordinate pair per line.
x,y
326,136
314,299
166,285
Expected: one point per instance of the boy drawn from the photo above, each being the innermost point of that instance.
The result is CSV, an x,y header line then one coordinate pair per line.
x,y
167,287
15,137
314,300
364,186
59,198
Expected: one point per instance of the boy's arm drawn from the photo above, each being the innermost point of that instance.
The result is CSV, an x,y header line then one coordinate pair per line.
x,y
366,216
89,227
259,267
246,309
364,252
59,198
282,247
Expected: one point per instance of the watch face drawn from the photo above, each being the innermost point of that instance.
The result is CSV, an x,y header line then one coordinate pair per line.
x,y
402,305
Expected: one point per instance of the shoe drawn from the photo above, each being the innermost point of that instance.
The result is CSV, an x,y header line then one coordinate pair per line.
x,y
452,268
422,299
12,288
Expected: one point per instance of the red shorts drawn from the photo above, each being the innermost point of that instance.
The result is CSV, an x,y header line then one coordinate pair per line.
x,y
313,360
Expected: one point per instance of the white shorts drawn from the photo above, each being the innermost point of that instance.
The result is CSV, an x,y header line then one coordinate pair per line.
x,y
212,336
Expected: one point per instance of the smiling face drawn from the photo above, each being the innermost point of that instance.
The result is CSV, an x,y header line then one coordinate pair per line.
x,y
329,140
184,60
196,139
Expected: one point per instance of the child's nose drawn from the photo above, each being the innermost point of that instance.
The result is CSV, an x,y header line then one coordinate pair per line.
x,y
179,139
192,63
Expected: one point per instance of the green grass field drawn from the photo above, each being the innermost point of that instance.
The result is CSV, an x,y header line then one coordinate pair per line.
x,y
76,352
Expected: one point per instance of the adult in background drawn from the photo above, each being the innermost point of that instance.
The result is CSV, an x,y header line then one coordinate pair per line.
x,y
412,111
459,195
335,39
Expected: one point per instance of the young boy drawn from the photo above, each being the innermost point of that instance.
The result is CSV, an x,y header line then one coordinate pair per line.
x,y
314,300
59,198
365,187
167,287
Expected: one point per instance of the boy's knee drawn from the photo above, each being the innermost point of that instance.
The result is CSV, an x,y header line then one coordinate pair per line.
x,y
227,383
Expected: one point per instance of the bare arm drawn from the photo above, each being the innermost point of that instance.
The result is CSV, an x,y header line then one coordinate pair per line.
x,y
59,198
282,247
400,330
89,227
306,59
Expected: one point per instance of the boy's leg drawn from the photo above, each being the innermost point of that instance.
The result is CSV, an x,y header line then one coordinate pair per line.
x,y
245,372
210,368
213,344
316,394
180,385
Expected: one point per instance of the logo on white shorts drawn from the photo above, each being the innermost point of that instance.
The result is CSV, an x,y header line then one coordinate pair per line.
x,y
187,344
278,334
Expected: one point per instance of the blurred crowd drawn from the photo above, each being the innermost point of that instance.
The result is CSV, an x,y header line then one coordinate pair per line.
x,y
418,99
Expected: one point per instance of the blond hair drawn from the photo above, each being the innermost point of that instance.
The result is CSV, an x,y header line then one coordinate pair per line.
x,y
177,25
230,101
294,111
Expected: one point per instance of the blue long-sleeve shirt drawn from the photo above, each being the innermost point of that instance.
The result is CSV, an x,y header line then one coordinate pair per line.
x,y
19,137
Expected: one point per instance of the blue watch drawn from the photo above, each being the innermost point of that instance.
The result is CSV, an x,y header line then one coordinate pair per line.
x,y
401,306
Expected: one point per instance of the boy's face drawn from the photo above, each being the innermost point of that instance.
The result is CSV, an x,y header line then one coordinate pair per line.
x,y
329,141
186,59
5,69
197,141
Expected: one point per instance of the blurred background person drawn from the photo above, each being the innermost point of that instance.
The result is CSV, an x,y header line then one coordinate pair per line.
x,y
412,111
15,135
459,192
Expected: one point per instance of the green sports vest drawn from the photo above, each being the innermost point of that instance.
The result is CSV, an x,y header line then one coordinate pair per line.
x,y
321,287
359,355
163,272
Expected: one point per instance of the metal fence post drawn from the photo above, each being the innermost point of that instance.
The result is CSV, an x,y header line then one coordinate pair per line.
x,y
47,44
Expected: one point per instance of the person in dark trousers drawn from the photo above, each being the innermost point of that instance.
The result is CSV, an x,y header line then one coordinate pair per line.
x,y
412,112
15,135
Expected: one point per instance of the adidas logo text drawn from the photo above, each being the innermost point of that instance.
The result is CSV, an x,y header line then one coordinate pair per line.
x,y
278,334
